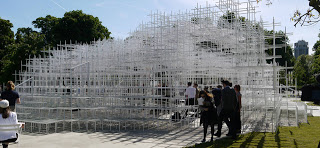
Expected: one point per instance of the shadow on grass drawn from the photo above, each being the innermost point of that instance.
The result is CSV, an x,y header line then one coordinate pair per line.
x,y
254,139
226,142
222,142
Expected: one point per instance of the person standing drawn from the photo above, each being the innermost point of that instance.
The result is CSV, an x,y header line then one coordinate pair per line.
x,y
195,85
217,97
229,103
11,95
208,114
217,100
190,95
237,88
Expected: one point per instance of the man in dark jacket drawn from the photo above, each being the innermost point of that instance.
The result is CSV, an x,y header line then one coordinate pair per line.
x,y
217,95
228,102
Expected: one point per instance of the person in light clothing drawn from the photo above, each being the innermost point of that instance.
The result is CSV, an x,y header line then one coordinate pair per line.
x,y
7,118
200,103
190,95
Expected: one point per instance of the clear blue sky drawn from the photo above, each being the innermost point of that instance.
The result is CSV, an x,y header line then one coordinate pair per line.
x,y
122,16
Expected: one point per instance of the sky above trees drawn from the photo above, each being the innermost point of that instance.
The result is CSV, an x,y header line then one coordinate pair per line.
x,y
123,16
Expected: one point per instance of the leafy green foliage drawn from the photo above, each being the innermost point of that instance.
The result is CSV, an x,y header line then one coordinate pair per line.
x,y
74,25
80,27
316,47
285,52
231,17
6,36
315,66
28,43
47,24
303,71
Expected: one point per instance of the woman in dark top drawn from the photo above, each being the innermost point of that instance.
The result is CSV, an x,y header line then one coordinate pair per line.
x,y
237,88
11,95
208,114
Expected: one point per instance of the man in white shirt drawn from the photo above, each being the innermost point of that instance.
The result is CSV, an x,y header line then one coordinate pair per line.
x,y
190,94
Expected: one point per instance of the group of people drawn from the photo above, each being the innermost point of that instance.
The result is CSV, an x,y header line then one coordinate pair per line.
x,y
8,99
221,104
215,106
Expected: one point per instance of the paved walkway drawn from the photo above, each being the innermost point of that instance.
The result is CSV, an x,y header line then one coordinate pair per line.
x,y
178,138
135,139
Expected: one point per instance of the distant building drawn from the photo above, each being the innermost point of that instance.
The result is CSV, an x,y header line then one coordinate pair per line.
x,y
300,48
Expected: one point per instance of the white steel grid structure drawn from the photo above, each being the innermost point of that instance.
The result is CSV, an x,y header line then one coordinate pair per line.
x,y
139,82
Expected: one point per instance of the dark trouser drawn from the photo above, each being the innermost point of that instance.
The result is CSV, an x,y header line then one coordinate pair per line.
x,y
238,120
228,116
4,143
205,129
191,101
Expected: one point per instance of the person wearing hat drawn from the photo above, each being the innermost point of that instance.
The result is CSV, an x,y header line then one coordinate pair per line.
x,y
7,118
11,95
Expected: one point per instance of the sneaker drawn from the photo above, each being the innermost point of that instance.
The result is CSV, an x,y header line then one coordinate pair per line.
x,y
203,140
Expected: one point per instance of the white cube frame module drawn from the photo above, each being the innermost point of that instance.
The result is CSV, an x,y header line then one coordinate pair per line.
x,y
138,83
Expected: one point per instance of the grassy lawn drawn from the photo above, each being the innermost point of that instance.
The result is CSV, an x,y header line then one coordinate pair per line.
x,y
305,136
312,104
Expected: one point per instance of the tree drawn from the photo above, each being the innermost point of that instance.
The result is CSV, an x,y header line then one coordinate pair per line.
x,y
6,36
47,24
315,66
28,43
74,25
80,27
285,52
316,47
311,16
231,17
303,70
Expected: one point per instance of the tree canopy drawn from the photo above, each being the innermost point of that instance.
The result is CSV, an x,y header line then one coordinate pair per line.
x,y
303,71
316,47
74,25
28,43
285,52
46,25
6,36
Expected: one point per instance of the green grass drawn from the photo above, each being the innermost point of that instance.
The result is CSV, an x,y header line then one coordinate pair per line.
x,y
296,101
307,102
307,135
312,104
